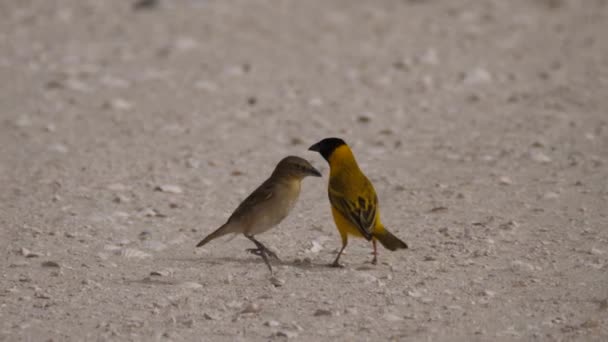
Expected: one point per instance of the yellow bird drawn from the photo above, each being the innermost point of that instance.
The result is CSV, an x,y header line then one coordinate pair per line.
x,y
267,205
354,203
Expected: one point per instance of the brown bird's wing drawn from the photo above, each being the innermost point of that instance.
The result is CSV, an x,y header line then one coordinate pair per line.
x,y
260,195
357,205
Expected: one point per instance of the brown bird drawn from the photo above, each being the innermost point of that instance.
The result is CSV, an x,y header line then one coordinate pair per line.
x,y
268,205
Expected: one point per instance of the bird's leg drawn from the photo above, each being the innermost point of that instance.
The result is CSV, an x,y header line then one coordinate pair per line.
x,y
375,252
261,251
270,253
336,262
261,247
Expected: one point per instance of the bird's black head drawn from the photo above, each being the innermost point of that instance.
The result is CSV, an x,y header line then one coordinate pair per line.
x,y
327,146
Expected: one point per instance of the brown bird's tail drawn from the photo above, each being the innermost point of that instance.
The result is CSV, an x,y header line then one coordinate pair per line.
x,y
226,228
389,241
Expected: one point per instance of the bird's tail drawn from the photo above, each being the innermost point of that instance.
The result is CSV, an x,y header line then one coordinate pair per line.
x,y
226,228
389,241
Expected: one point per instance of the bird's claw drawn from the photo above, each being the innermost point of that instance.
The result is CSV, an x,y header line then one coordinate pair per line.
x,y
272,254
255,251
336,265
259,251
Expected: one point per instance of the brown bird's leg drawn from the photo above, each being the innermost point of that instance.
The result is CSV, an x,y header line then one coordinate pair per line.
x,y
375,252
261,250
336,262
261,247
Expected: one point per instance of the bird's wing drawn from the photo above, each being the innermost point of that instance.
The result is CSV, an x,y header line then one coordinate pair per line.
x,y
260,195
358,206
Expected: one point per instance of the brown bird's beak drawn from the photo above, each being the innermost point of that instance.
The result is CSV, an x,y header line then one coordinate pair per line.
x,y
314,172
315,148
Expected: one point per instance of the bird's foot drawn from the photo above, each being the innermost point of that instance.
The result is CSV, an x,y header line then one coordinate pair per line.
x,y
255,251
262,253
259,251
336,264
374,260
272,254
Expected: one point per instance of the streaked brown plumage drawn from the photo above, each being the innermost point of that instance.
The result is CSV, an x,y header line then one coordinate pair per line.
x,y
268,205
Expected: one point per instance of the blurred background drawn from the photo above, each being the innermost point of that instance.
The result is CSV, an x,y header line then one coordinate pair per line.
x,y
133,127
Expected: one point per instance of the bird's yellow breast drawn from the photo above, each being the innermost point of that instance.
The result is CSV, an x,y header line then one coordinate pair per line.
x,y
342,158
347,179
344,225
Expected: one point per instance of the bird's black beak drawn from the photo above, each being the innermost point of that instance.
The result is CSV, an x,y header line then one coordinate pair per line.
x,y
316,147
314,172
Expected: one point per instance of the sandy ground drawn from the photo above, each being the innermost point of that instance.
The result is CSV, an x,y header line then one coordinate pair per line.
x,y
127,135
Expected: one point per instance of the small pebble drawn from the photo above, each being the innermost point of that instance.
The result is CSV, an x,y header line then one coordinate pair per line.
x,y
41,295
550,195
509,225
539,157
117,104
296,141
414,294
150,212
145,4
234,304
251,308
272,323
50,127
322,312
316,247
504,180
488,293
58,147
520,265
351,311
121,199
590,324
162,273
134,253
476,76
286,333
18,263
50,264
23,121
206,85
364,119
168,188
29,254
392,317
210,317
277,282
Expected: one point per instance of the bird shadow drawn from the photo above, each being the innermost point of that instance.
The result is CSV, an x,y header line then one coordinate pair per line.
x,y
297,263
150,281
